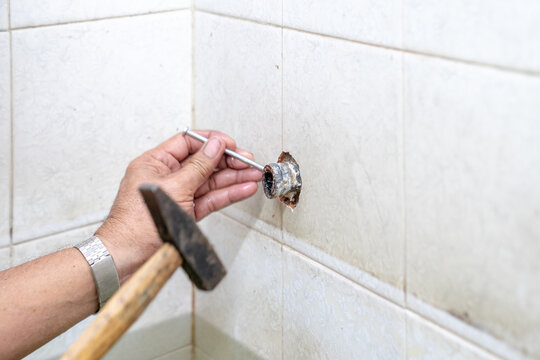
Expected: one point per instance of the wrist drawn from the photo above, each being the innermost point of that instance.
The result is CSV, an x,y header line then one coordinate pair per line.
x,y
127,256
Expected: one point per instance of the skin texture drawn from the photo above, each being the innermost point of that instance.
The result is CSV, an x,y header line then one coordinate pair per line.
x,y
43,298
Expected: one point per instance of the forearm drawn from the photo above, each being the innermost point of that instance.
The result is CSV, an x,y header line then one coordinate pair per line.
x,y
43,298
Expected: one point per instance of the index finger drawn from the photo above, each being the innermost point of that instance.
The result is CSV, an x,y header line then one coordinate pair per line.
x,y
180,146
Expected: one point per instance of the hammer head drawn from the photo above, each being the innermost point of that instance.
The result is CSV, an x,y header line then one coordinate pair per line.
x,y
175,226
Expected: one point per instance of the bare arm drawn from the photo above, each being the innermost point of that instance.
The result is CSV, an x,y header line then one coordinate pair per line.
x,y
43,298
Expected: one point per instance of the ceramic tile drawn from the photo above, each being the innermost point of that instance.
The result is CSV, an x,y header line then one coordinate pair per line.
x,y
156,341
238,91
200,355
5,139
4,258
326,316
428,341
371,21
341,118
180,354
494,32
268,11
31,250
88,98
32,13
473,160
241,317
4,15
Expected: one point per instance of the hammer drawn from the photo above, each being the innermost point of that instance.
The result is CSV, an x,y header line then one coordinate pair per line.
x,y
184,244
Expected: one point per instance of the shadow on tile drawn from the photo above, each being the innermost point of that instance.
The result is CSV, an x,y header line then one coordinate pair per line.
x,y
219,345
152,341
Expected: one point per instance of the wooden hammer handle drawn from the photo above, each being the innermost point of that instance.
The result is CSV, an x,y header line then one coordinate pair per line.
x,y
126,305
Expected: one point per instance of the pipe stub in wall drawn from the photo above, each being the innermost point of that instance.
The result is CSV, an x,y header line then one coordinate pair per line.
x,y
283,180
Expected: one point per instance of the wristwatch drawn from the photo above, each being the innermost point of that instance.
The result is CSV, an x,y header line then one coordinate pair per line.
x,y
103,268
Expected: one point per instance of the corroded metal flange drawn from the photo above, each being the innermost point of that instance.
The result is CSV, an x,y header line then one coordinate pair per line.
x,y
283,179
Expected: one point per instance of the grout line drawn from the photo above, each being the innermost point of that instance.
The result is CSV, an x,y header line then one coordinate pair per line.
x,y
193,340
313,260
402,161
193,87
169,352
441,328
403,199
59,232
386,47
379,296
281,212
192,124
204,352
99,19
11,162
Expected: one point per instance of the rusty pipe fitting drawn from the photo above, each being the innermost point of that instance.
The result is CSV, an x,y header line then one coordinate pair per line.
x,y
283,180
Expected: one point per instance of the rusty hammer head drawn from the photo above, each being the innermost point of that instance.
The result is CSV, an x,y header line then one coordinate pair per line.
x,y
175,226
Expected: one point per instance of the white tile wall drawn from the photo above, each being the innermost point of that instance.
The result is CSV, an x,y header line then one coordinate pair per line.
x,y
201,355
428,341
150,342
31,250
328,317
31,13
472,169
5,139
3,15
238,91
488,31
5,255
88,98
371,21
268,11
241,317
342,123
180,354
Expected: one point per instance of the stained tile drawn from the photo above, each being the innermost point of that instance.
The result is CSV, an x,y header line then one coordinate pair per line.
x,y
341,119
241,317
5,139
494,32
32,13
371,21
473,160
238,91
88,98
268,11
428,341
326,316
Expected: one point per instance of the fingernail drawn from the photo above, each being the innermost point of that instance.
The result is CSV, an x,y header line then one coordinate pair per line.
x,y
211,148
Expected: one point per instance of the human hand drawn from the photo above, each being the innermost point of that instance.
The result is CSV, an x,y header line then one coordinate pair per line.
x,y
199,177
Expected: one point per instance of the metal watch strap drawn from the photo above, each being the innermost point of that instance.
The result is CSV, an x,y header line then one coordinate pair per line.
x,y
103,268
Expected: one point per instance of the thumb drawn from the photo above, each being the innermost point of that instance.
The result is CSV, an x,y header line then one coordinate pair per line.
x,y
201,165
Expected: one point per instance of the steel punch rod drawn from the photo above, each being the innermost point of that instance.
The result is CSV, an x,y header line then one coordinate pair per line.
x,y
227,151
